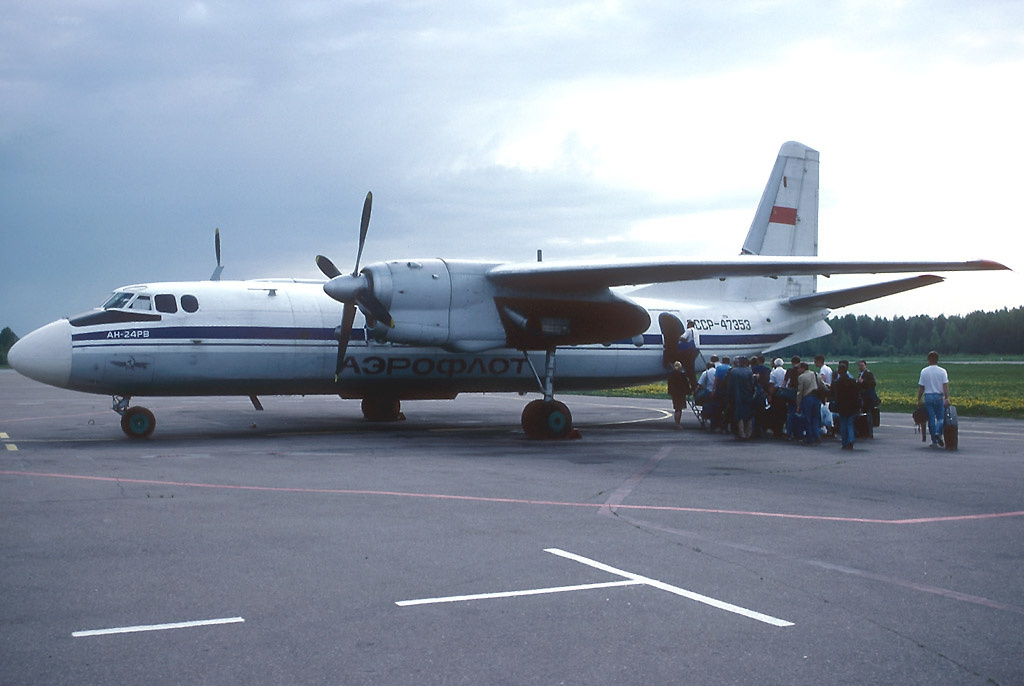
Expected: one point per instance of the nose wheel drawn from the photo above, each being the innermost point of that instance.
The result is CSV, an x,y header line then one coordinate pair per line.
x,y
136,422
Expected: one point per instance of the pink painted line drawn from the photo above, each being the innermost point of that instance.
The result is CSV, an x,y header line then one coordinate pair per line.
x,y
622,492
9,420
513,501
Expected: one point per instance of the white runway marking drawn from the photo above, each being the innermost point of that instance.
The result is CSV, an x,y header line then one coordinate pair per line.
x,y
721,605
157,627
630,580
513,594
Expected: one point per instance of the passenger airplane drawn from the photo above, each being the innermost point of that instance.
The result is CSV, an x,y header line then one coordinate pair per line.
x,y
434,328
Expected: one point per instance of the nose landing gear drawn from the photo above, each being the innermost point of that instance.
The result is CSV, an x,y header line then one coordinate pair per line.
x,y
136,422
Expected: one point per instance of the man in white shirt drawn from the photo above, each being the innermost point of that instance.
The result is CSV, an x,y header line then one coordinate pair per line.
x,y
777,378
825,374
824,371
933,394
705,385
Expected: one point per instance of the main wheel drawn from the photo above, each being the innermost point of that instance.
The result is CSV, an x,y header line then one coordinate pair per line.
x,y
381,409
544,419
138,422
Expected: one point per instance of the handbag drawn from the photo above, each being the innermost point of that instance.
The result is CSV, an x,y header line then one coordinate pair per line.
x,y
920,421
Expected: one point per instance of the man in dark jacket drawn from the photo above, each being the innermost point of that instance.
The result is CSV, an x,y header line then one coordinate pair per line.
x,y
678,389
846,395
866,384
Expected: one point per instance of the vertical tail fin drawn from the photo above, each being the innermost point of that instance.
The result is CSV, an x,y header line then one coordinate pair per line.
x,y
785,223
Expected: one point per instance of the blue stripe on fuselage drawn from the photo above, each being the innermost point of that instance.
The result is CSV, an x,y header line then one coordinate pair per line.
x,y
254,334
741,339
191,333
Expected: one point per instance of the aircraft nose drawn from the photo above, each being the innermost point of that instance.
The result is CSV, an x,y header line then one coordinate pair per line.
x,y
45,354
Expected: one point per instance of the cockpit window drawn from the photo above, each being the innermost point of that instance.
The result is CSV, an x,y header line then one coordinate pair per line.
x,y
189,303
142,302
117,301
165,303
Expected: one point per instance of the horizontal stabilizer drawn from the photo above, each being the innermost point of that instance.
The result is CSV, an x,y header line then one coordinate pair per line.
x,y
850,296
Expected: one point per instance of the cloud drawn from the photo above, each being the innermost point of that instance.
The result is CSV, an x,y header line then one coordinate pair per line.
x,y
489,130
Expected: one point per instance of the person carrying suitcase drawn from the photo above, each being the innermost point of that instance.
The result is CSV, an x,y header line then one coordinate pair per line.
x,y
933,395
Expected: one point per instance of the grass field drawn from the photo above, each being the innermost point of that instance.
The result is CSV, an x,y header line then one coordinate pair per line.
x,y
978,389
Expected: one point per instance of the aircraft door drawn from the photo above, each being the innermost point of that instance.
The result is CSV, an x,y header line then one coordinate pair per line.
x,y
674,349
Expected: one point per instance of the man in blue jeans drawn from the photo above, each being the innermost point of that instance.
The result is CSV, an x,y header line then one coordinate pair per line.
x,y
808,402
847,403
933,394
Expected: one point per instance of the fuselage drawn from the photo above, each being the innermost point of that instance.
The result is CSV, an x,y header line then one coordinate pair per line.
x,y
278,337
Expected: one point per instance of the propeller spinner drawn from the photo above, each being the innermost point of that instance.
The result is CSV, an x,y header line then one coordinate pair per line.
x,y
353,290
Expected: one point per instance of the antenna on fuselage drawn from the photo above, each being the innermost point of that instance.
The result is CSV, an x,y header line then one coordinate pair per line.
x,y
216,246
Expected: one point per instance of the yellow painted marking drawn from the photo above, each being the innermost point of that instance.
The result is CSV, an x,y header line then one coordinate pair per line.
x,y
3,435
11,446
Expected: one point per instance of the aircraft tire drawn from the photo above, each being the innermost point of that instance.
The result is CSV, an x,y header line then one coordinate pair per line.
x,y
546,420
381,409
138,422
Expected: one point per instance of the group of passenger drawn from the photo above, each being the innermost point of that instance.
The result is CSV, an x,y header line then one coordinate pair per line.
x,y
748,399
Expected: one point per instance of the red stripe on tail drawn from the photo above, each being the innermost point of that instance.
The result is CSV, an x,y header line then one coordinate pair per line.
x,y
783,215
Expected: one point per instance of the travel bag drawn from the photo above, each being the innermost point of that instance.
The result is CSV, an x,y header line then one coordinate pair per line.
x,y
862,426
951,429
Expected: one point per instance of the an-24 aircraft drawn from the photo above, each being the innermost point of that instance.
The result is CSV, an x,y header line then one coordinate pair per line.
x,y
434,328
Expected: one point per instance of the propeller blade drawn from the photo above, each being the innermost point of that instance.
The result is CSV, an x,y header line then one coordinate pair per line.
x,y
364,225
216,245
344,332
369,304
327,267
354,291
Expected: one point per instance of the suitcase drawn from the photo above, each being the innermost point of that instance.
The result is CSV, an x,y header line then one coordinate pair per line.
x,y
951,429
876,417
862,427
798,427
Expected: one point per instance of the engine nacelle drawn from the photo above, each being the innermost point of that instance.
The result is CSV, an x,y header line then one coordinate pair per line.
x,y
452,304
438,302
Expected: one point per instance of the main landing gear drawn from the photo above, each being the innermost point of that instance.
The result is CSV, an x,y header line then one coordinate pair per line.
x,y
548,418
136,422
381,409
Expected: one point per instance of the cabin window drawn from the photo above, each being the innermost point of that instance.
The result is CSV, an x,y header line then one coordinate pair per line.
x,y
142,302
165,302
117,300
189,303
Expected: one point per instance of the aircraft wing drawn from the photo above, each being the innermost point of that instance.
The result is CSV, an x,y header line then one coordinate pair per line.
x,y
581,277
850,296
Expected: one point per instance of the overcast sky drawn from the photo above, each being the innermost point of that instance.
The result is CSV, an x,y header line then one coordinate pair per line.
x,y
129,131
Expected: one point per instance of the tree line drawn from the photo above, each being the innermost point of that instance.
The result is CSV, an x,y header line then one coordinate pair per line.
x,y
977,333
7,339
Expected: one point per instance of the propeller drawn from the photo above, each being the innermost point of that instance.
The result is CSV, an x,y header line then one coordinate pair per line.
x,y
353,290
216,246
